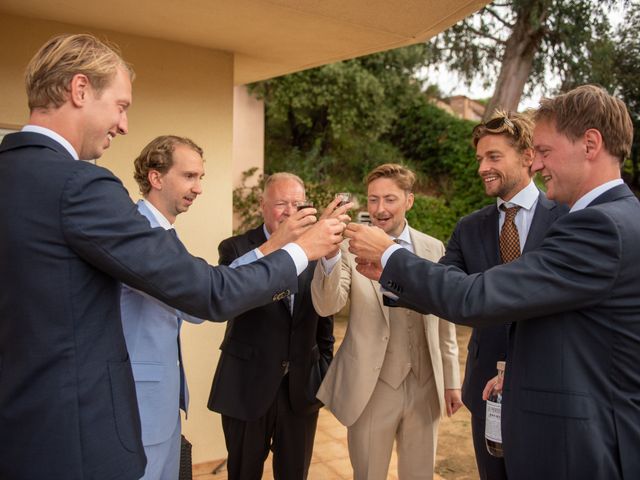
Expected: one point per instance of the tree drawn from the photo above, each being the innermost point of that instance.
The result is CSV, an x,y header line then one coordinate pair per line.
x,y
329,121
614,63
627,68
521,42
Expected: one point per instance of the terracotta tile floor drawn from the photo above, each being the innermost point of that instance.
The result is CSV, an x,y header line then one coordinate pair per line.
x,y
330,459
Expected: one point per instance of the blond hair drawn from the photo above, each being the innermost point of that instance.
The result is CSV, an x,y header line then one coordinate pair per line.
x,y
271,179
50,71
158,155
515,127
586,107
401,175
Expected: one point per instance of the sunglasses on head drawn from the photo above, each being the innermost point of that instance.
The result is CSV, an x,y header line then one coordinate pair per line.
x,y
500,124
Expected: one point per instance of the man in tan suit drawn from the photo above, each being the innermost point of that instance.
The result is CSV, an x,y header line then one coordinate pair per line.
x,y
397,371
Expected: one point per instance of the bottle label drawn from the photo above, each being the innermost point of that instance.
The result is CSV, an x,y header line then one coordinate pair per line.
x,y
492,429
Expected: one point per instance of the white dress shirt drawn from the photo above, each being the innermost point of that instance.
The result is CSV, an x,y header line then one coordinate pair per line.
x,y
527,200
53,136
589,197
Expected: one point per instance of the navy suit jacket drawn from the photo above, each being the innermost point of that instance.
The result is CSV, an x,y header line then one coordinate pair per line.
x,y
571,404
474,247
69,235
259,344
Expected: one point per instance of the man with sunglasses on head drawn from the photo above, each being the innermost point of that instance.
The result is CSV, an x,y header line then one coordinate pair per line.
x,y
504,151
571,397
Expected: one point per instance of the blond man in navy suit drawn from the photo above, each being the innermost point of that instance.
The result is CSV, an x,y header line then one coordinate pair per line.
x,y
571,402
67,243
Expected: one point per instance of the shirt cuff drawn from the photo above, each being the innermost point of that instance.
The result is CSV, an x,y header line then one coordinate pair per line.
x,y
258,253
329,263
298,256
388,294
387,253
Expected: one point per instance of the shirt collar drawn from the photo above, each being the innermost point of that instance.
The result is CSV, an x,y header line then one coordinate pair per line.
x,y
160,218
589,197
266,233
53,136
405,236
525,198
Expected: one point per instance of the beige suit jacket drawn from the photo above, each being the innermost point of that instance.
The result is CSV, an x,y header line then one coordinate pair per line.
x,y
353,374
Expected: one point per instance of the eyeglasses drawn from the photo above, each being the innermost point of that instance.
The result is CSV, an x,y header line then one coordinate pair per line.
x,y
498,125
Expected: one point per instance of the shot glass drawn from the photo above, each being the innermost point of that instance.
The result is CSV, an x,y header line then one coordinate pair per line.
x,y
346,197
304,204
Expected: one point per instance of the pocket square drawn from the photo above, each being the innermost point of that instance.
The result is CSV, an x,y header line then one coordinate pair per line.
x,y
280,295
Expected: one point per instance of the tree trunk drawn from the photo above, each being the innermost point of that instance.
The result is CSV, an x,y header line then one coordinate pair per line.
x,y
517,60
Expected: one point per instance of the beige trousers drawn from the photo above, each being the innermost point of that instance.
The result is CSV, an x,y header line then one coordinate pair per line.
x,y
410,416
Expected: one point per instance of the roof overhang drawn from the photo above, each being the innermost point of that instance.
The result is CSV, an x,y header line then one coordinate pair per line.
x,y
268,38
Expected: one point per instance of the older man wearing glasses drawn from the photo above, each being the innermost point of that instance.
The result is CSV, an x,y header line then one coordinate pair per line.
x,y
493,235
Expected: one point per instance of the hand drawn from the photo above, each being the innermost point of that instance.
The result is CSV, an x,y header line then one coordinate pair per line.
x,y
289,230
495,381
333,211
322,238
369,269
453,400
368,243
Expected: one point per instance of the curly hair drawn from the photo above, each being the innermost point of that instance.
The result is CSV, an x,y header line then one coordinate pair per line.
x,y
158,155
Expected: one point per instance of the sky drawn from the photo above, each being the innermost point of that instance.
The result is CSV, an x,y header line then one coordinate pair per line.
x,y
451,84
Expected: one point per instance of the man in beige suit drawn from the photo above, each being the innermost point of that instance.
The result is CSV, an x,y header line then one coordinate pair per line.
x,y
397,371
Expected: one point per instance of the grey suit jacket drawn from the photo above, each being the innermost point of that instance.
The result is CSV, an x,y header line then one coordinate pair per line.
x,y
69,235
474,247
572,387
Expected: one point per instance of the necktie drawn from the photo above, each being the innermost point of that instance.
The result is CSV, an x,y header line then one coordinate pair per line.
x,y
509,238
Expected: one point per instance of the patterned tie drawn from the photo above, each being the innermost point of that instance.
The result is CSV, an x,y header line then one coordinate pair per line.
x,y
509,238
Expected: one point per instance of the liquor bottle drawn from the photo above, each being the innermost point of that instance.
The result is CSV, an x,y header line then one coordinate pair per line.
x,y
493,429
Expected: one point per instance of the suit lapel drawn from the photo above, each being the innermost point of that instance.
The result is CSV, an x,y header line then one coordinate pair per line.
x,y
616,193
256,238
376,291
542,218
421,250
304,282
489,236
